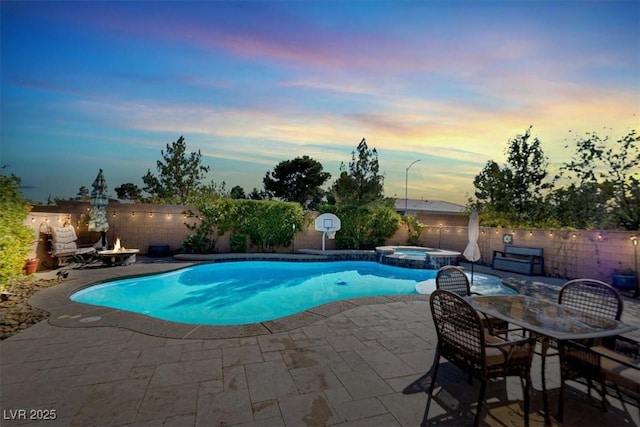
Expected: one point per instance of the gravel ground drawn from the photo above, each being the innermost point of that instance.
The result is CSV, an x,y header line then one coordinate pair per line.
x,y
15,312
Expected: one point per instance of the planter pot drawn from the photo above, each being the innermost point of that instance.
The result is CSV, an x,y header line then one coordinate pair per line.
x,y
626,283
31,266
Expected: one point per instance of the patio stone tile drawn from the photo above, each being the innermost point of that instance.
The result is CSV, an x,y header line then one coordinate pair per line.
x,y
157,355
180,420
64,374
269,380
385,363
96,354
20,372
201,355
317,331
52,351
306,357
141,372
267,422
419,360
222,409
112,403
102,372
352,360
407,409
358,409
367,333
16,351
14,395
191,371
271,356
129,355
404,344
310,342
220,343
317,378
308,410
142,341
276,342
267,409
338,396
234,378
344,342
168,401
211,386
71,400
247,341
363,383
385,420
240,355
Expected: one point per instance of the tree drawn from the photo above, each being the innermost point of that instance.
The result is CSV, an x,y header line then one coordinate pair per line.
x,y
614,170
360,183
298,180
15,237
237,192
514,193
179,177
528,166
129,191
491,187
83,193
258,194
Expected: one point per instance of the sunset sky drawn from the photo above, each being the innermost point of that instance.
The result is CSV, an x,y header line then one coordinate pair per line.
x,y
89,85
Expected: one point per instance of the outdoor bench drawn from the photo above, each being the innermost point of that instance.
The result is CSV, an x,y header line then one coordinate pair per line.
x,y
519,259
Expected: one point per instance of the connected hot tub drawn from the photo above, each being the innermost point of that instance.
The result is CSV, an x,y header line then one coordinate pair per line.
x,y
416,256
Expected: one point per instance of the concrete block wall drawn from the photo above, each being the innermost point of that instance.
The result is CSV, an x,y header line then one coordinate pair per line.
x,y
569,254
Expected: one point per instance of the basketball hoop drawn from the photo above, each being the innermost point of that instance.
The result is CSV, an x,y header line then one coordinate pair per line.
x,y
328,224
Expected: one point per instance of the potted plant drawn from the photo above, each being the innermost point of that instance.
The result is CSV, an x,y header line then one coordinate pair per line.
x,y
31,266
626,281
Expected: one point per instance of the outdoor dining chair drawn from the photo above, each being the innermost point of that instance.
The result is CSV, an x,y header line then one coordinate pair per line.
x,y
583,359
616,363
453,279
463,342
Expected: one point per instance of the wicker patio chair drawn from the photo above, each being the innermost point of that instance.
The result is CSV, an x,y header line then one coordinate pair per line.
x,y
591,359
453,279
462,341
593,297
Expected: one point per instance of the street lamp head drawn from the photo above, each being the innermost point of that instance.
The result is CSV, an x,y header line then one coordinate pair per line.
x,y
413,163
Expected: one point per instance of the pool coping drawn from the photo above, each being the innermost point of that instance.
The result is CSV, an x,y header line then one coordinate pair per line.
x,y
64,312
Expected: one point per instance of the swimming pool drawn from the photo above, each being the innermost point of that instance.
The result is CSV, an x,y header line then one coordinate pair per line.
x,y
237,293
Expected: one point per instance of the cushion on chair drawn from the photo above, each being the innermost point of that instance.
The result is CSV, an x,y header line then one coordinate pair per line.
x,y
617,372
65,234
63,240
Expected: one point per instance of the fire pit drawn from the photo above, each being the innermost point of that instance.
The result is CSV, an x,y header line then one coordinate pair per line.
x,y
118,255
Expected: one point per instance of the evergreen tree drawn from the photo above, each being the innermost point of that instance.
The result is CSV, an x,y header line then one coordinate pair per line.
x,y
360,183
180,174
298,180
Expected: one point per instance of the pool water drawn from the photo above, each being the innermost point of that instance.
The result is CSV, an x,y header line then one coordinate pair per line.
x,y
235,293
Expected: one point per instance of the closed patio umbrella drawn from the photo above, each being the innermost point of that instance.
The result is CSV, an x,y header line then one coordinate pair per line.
x,y
98,213
472,251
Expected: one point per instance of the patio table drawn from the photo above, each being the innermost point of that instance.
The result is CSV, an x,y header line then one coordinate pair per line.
x,y
549,320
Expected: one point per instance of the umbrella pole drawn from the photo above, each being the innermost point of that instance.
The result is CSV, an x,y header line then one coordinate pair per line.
x,y
104,239
472,263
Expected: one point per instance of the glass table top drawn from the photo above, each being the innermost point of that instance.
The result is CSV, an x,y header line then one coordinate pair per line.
x,y
547,318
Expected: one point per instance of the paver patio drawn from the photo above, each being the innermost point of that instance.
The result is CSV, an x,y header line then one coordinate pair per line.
x,y
345,368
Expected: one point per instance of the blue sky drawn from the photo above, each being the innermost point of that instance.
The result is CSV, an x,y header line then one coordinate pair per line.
x,y
89,85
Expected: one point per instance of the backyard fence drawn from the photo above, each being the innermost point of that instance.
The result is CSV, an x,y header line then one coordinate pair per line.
x,y
595,254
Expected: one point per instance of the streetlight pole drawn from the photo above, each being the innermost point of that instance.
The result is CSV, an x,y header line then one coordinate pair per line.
x,y
406,187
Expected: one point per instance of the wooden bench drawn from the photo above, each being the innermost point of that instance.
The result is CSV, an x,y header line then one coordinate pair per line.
x,y
519,259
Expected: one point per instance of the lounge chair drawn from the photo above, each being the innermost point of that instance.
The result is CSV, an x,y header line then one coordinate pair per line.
x,y
64,247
